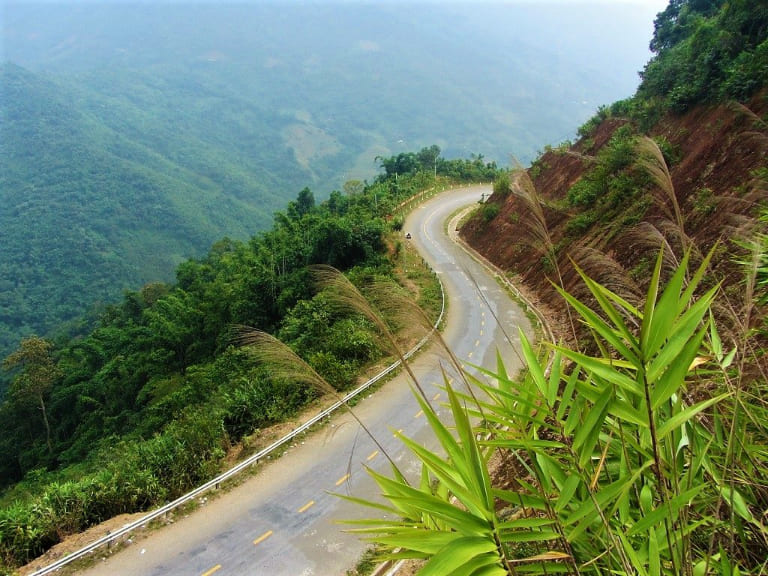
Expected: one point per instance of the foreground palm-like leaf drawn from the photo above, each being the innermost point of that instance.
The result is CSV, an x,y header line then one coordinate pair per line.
x,y
450,518
616,473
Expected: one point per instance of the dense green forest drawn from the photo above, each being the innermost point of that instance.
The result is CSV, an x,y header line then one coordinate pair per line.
x,y
705,52
145,405
134,135
88,209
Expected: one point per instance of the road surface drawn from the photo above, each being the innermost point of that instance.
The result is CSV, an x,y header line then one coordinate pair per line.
x,y
283,520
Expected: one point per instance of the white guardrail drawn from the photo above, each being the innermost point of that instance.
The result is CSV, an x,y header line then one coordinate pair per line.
x,y
216,482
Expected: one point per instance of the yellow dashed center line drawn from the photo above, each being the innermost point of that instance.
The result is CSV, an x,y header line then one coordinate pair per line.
x,y
372,455
435,397
343,479
481,332
212,570
482,322
419,413
263,537
477,343
306,506
468,356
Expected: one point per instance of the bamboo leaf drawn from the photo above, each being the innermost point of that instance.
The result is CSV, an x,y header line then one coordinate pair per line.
x,y
614,337
448,473
452,558
650,303
543,557
587,511
567,492
458,519
586,437
671,508
683,416
534,368
674,377
484,564
567,395
697,277
531,536
665,311
554,379
524,523
477,479
428,542
605,368
736,501
678,337
654,558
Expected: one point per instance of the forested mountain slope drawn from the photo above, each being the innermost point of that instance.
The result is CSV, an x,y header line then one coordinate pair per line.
x,y
134,135
88,210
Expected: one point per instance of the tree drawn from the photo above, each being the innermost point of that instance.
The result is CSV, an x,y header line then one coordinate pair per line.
x,y
428,158
353,187
304,204
37,373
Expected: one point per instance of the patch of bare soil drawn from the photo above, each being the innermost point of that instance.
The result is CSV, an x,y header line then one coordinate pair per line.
x,y
719,149
75,542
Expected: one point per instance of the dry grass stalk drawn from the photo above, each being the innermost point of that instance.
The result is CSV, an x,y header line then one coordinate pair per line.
x,y
394,303
644,238
286,364
607,272
741,109
524,188
583,157
346,297
651,159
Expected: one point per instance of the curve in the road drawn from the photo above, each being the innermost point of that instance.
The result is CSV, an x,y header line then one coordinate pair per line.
x,y
282,521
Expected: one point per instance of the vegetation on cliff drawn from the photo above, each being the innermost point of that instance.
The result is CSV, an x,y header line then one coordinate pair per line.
x,y
148,404
634,444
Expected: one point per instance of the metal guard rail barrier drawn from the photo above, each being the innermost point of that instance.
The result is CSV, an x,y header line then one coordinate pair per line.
x,y
128,528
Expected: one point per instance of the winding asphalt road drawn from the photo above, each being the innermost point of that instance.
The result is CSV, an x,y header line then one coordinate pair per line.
x,y
283,520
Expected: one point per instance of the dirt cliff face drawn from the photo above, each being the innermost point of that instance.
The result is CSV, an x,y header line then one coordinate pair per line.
x,y
719,172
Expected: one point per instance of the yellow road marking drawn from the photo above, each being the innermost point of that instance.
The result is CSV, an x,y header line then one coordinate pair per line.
x,y
343,479
419,413
468,356
435,397
398,432
212,570
372,455
477,343
481,332
307,506
263,537
482,322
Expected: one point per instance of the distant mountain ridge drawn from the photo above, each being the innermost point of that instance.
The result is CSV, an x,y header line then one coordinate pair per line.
x,y
135,135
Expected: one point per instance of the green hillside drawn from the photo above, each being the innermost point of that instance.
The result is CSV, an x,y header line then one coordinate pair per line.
x,y
150,402
88,209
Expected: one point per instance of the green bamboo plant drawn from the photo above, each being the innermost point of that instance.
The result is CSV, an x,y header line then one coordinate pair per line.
x,y
617,461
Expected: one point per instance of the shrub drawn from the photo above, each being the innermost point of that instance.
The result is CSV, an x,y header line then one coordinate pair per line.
x,y
489,211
